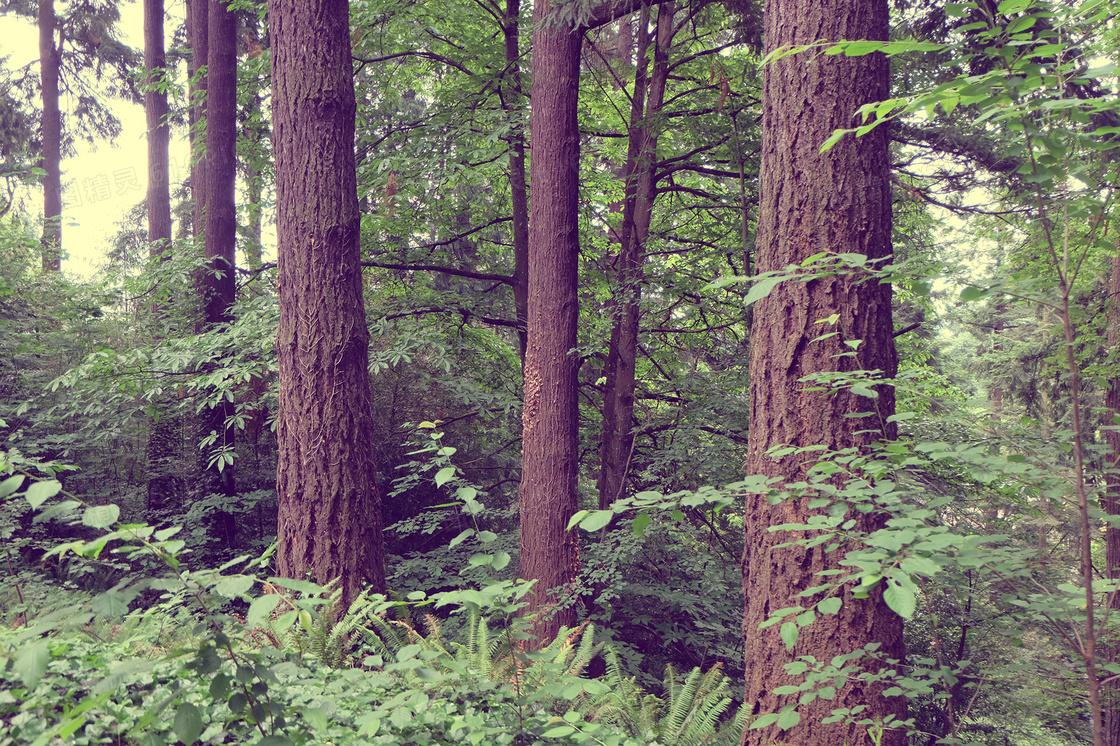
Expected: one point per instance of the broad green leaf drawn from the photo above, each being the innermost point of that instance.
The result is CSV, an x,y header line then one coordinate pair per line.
x,y
31,663
501,559
596,520
920,565
901,600
559,731
187,724
761,288
789,634
275,741
828,144
788,718
445,475
640,522
261,609
234,586
111,604
829,605
101,516
315,717
40,492
463,536
10,485
764,720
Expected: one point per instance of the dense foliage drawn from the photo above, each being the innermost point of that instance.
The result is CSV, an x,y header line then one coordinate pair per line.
x,y
128,620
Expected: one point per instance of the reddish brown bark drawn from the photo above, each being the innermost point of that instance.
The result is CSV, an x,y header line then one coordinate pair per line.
x,y
838,201
638,174
330,510
218,286
549,552
163,438
52,139
1111,646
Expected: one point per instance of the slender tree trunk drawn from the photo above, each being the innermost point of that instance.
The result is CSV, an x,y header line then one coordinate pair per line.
x,y
550,448
638,173
513,101
330,510
221,225
1111,646
838,201
198,27
52,139
163,438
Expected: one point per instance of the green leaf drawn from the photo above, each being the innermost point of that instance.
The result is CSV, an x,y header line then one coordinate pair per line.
x,y
463,536
829,605
188,723
972,293
101,516
596,520
901,600
111,604
315,717
834,138
10,485
31,663
234,586
40,492
559,731
261,609
640,522
764,720
445,475
761,288
275,741
788,718
789,633
501,559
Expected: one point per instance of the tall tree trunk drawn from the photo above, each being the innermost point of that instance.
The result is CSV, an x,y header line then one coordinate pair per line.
x,y
513,102
52,139
837,201
1111,647
550,448
638,173
330,510
163,438
198,28
221,222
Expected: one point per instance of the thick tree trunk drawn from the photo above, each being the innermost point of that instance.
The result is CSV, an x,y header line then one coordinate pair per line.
x,y
638,173
218,284
838,201
52,139
1111,646
330,511
163,438
513,101
550,448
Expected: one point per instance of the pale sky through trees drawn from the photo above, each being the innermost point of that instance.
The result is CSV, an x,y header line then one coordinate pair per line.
x,y
100,183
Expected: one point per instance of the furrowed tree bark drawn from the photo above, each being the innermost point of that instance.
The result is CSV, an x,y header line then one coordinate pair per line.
x,y
550,448
221,226
811,202
51,161
330,510
163,438
1111,504
638,173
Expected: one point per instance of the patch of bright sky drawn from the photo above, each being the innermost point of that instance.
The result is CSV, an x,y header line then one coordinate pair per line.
x,y
103,182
